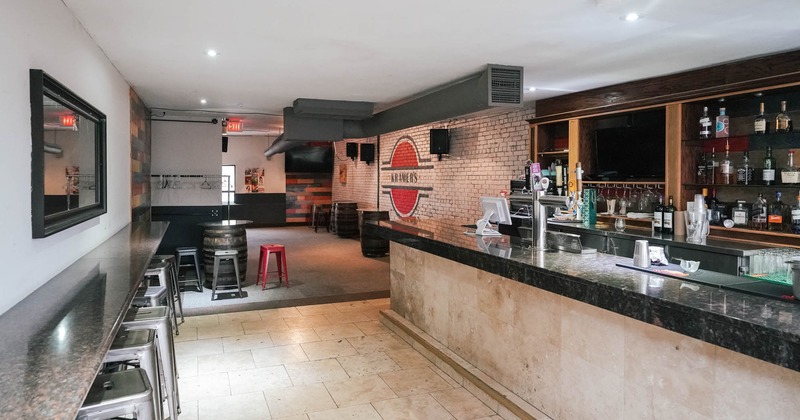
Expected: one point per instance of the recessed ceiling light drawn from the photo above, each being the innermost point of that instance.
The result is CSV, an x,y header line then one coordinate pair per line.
x,y
203,101
211,53
630,17
531,89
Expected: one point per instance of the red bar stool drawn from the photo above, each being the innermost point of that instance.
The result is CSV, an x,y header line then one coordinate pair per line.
x,y
280,259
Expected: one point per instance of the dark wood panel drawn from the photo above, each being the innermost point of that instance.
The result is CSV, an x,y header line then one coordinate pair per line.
x,y
772,70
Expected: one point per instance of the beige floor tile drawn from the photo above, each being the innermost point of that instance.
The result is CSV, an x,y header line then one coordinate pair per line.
x,y
315,371
327,308
357,412
307,321
246,342
223,330
414,381
237,317
344,318
374,314
409,358
252,406
355,306
199,387
189,411
186,365
461,404
328,349
268,314
199,347
278,355
378,342
226,362
372,328
298,417
363,390
260,379
414,407
335,332
264,326
368,364
494,417
187,334
298,400
294,336
380,303
200,321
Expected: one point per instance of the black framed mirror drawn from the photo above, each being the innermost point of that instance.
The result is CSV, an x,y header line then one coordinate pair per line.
x,y
68,157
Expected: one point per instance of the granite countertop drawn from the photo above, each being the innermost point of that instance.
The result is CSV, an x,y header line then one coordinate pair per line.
x,y
763,328
53,342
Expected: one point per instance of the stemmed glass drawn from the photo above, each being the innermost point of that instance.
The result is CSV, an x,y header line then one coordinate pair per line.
x,y
601,201
647,201
624,201
619,224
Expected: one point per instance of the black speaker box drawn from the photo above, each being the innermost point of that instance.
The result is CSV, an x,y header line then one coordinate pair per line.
x,y
352,150
225,144
367,152
440,141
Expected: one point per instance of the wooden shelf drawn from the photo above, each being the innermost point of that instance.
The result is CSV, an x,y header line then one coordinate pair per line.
x,y
564,152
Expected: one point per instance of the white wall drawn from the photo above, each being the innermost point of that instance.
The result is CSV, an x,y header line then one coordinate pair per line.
x,y
42,34
248,152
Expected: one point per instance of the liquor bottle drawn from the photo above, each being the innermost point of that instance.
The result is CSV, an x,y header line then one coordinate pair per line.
x,y
744,173
714,212
740,214
700,177
760,123
790,175
668,225
768,174
725,167
658,215
759,213
775,215
783,123
796,216
711,168
722,126
705,124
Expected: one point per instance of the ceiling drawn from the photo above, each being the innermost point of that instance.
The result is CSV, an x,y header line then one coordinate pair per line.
x,y
274,51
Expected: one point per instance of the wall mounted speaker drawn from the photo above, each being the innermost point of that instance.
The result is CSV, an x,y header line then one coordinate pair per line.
x,y
352,150
367,152
225,144
440,142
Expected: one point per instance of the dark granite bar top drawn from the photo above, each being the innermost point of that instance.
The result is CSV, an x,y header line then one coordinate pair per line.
x,y
53,342
756,326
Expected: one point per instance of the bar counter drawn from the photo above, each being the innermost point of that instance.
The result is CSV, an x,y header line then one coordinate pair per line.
x,y
576,336
53,342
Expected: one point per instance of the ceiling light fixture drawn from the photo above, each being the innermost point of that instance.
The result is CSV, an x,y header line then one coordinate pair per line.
x,y
631,17
203,101
211,53
531,89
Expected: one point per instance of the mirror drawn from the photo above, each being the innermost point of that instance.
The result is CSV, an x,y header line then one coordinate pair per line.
x,y
67,157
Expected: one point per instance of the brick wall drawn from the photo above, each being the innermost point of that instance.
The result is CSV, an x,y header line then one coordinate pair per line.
x,y
302,191
354,180
486,152
140,159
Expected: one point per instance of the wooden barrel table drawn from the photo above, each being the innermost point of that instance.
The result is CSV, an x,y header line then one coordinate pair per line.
x,y
372,246
224,235
344,219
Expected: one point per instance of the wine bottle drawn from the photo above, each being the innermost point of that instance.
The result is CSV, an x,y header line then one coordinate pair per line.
x,y
722,124
760,123
768,173
775,215
783,123
705,124
759,212
658,215
668,225
725,167
790,175
796,216
744,173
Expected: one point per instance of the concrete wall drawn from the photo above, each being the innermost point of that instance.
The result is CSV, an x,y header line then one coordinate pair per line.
x,y
43,34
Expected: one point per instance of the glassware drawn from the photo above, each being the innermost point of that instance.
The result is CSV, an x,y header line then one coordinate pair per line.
x,y
601,201
696,226
648,200
619,224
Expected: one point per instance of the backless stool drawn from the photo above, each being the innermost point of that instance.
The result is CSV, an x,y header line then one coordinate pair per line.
x,y
117,394
280,260
157,318
176,287
219,257
194,253
161,270
139,348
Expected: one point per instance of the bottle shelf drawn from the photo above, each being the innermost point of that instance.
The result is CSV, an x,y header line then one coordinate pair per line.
x,y
751,142
564,152
750,186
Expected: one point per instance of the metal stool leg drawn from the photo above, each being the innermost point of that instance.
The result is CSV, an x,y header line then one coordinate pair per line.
x,y
140,346
236,270
214,281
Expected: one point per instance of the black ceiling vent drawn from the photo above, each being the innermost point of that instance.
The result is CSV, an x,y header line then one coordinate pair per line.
x,y
505,85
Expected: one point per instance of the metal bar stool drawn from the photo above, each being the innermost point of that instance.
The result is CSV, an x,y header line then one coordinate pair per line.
x,y
189,251
157,318
117,394
138,347
219,257
320,215
152,296
161,270
280,260
176,288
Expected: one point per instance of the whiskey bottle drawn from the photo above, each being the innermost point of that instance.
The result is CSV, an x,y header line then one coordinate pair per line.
x,y
759,213
790,175
783,123
760,123
744,173
725,167
796,216
768,173
775,215
668,225
705,124
740,214
658,215
722,124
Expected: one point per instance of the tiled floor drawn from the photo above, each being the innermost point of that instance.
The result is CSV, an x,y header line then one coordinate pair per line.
x,y
320,362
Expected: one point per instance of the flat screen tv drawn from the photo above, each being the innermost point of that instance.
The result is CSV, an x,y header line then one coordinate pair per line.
x,y
630,153
309,159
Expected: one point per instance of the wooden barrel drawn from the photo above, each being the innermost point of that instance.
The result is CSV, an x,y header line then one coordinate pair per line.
x,y
344,220
217,238
373,246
